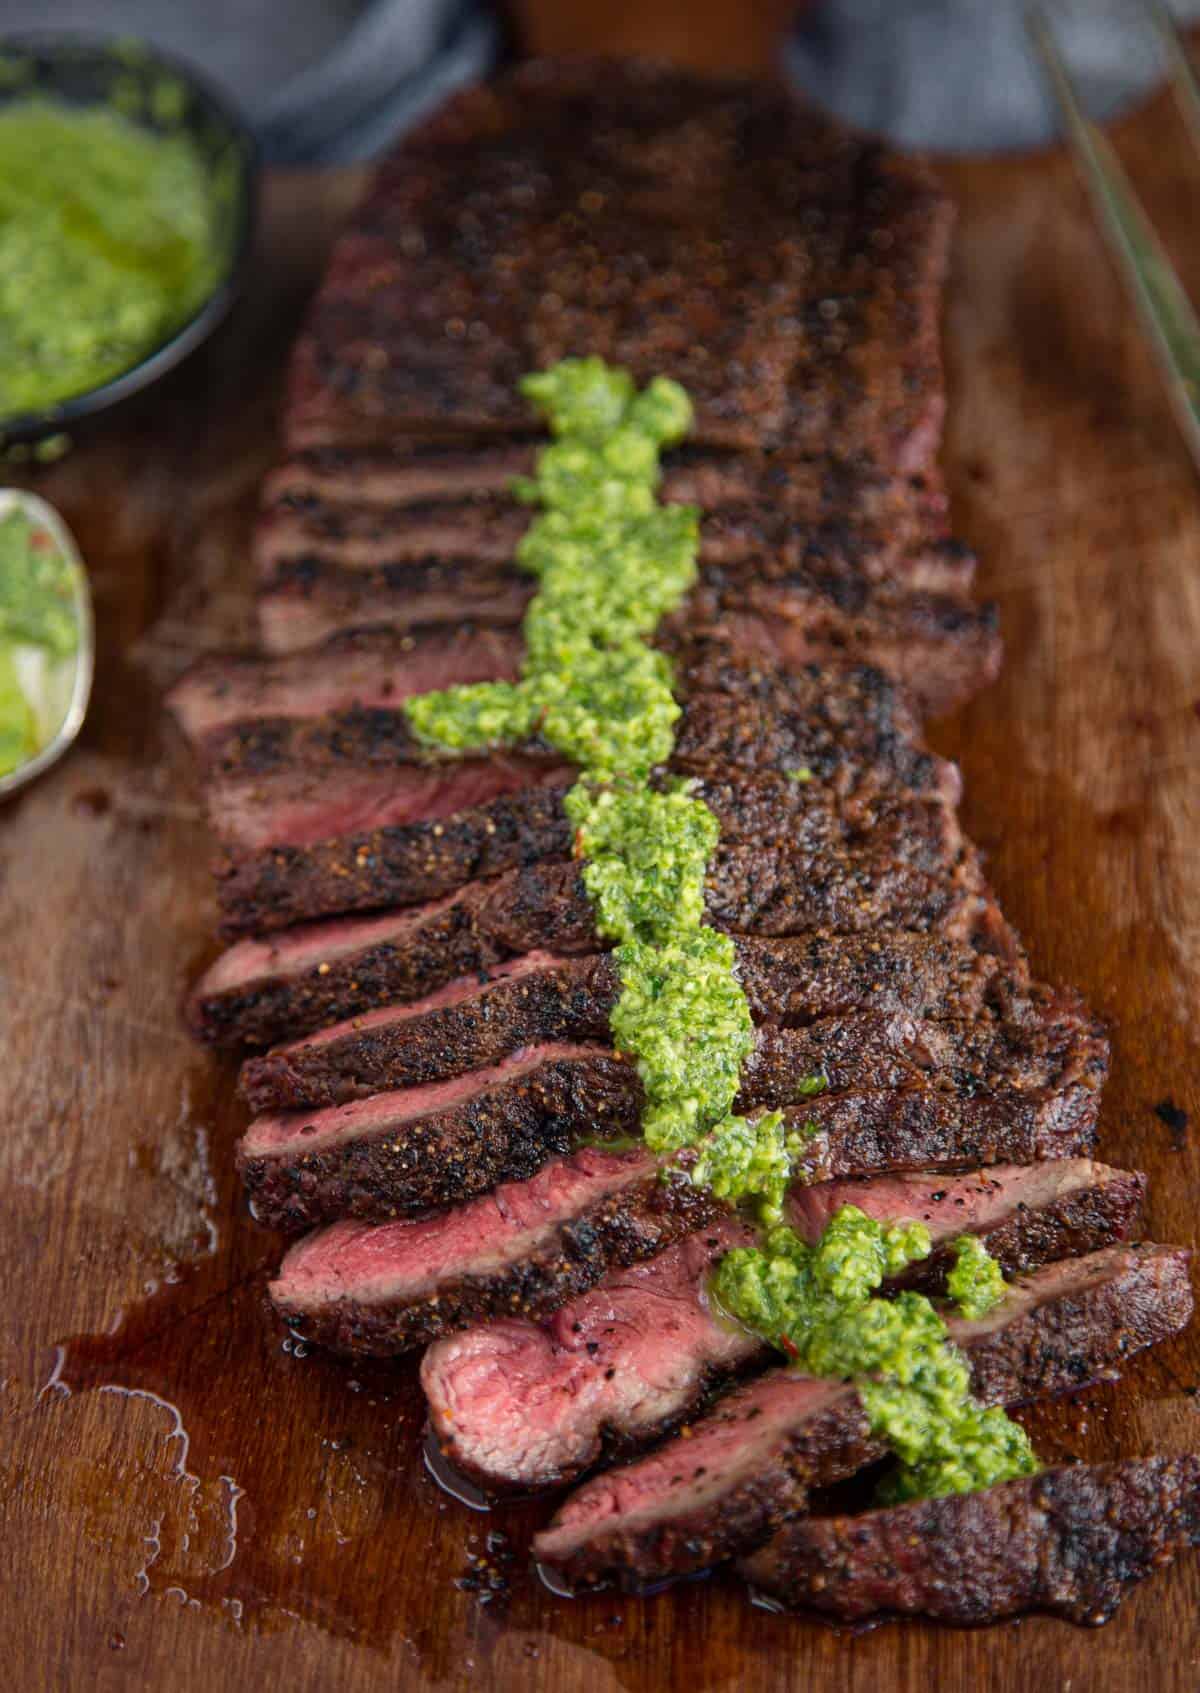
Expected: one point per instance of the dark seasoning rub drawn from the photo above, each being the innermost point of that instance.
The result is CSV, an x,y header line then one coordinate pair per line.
x,y
417,950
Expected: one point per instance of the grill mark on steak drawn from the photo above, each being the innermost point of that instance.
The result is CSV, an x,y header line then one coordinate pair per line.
x,y
804,337
943,647
1072,1541
523,1248
407,862
540,997
431,1143
835,539
292,983
750,1462
397,472
524,1404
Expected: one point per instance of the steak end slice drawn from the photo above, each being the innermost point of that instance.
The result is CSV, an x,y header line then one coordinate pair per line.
x,y
1072,1541
749,1463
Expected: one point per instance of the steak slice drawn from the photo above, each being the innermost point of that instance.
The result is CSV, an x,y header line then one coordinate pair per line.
x,y
470,1023
369,667
524,1248
834,538
432,1143
523,1404
419,831
820,495
748,1464
942,647
850,727
1027,1217
1072,1541
468,265
309,600
408,861
281,987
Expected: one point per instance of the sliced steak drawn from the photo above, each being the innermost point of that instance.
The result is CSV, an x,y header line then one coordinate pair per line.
x,y
524,1404
819,496
395,1154
391,1154
369,667
406,862
468,265
942,647
524,1248
833,538
275,989
748,1465
539,997
288,813
848,726
1072,1541
309,600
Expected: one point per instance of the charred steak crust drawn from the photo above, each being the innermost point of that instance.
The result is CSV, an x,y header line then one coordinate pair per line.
x,y
1072,1541
749,1464
493,184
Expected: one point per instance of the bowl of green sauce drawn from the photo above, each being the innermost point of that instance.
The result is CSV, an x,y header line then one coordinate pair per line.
x,y
127,198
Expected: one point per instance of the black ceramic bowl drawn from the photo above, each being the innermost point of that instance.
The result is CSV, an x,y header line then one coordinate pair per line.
x,y
85,72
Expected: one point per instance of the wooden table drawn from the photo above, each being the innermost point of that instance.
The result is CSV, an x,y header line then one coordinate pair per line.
x,y
188,1501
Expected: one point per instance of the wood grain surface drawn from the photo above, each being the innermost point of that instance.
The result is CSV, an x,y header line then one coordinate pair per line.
x,y
189,1501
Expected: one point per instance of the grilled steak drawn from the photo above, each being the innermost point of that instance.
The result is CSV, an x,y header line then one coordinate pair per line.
x,y
941,646
522,1403
366,668
526,1247
307,600
1027,1216
264,991
538,997
748,1465
406,862
393,1153
464,268
1072,1541
398,471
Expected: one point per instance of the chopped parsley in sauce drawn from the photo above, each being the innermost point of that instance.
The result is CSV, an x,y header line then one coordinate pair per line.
x,y
108,244
818,1305
611,562
39,636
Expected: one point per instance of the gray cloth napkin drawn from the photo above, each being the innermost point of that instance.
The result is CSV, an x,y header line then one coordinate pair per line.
x,y
334,81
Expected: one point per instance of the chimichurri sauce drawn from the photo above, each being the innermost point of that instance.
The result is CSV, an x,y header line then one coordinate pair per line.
x,y
39,636
108,243
611,561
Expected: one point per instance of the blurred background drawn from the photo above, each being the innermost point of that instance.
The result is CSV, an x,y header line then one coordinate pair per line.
x,y
334,81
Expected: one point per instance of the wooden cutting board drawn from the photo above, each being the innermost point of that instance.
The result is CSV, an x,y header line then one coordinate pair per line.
x,y
188,1501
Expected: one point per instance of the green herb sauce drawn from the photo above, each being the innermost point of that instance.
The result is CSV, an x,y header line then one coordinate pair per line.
x,y
108,244
816,1303
975,1284
39,633
610,563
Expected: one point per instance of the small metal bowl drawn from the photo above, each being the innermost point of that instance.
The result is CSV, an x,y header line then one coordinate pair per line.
x,y
45,517
129,76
